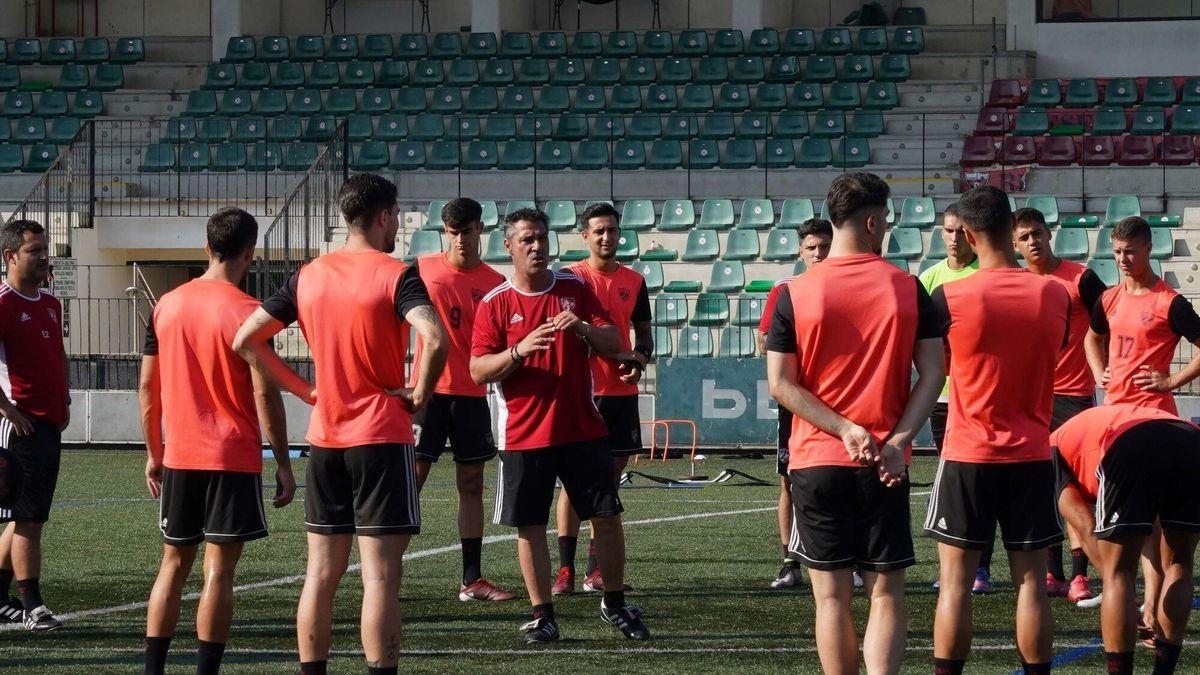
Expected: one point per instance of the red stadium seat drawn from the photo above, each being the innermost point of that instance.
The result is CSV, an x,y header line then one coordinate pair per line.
x,y
1177,150
1098,151
1137,151
1058,151
978,151
1006,94
1018,150
994,121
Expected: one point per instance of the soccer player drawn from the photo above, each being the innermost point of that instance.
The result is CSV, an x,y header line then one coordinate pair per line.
x,y
816,235
34,409
1135,329
532,336
205,463
458,411
624,298
355,307
1074,386
1124,467
1005,327
844,338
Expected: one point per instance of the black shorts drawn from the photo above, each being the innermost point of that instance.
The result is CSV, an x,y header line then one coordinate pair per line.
x,y
969,498
1149,473
525,485
367,489
464,421
937,424
1066,407
214,506
40,454
845,517
785,435
624,423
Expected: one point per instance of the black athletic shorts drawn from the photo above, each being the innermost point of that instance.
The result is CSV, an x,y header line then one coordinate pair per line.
x,y
937,424
969,499
624,423
525,485
845,517
1066,407
1150,472
215,506
40,454
367,489
785,435
464,421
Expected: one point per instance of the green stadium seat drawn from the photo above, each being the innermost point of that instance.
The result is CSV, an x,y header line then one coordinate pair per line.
x,y
756,214
359,74
660,98
73,77
392,74
240,50
360,128
641,127
574,127
716,214
748,308
1031,122
533,71
1081,220
799,42
214,130
159,157
844,96
258,76
701,246
917,212
683,286
716,125
412,46
712,309
133,50
795,212
1082,93
377,47
829,124
1109,121
740,153
1106,269
783,69
621,43
444,156
286,76
561,213
535,127
754,125
663,344
29,131
1121,207
446,46
264,157
26,51
517,100
369,156
591,155
625,98
770,97
703,154
59,51
1149,121
852,153
903,244
894,68
481,45
792,124
728,43
670,309
835,41
1164,220
496,128
748,70
656,43
427,73
481,100
628,247
712,70
697,98
518,156
515,205
63,130
179,130
1046,93
407,155
433,215
908,40
652,272
587,44
220,76
236,102
494,251
446,100
305,102
10,77
742,245
680,126
11,158
229,157
881,96
589,98
637,215
424,242
820,69
872,40
340,102
199,104
516,45
937,248
52,104
1186,120
1047,204
284,129
857,68
309,48
553,99
376,101
1160,91
782,246
462,73
573,255
692,43
249,130
733,97
85,103
628,155
1121,92
738,343
299,156
193,158
550,44
866,124
727,277
763,42
497,72
675,71
343,48
276,48
1071,244
318,128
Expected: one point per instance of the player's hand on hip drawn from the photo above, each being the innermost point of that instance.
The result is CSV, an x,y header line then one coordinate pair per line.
x,y
154,476
408,398
632,365
860,445
1149,379
538,340
1105,379
285,487
567,321
22,425
891,466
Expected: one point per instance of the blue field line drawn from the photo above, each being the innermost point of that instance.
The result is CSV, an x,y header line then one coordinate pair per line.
x,y
1073,654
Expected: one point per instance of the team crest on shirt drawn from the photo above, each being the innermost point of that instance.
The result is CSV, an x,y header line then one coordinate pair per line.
x,y
53,315
567,304
1147,318
624,293
476,295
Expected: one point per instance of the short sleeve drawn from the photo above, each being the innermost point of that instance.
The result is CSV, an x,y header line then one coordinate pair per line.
x,y
150,347
641,308
1090,289
1183,319
590,309
283,306
411,292
487,336
764,323
941,311
928,324
1099,319
781,336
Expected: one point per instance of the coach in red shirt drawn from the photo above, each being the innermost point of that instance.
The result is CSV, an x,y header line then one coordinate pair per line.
x,y
532,338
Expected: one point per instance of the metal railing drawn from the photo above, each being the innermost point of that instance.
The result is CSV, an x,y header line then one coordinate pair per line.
x,y
64,196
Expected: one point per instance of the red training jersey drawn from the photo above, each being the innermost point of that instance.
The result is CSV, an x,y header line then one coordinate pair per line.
x,y
351,307
455,293
764,323
1072,375
1143,330
210,421
852,322
623,297
1005,328
31,354
1085,438
547,401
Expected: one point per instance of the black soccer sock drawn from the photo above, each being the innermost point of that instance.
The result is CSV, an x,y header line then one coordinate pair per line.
x,y
208,657
948,666
156,654
614,599
30,594
1166,655
1079,563
383,670
1119,663
592,563
985,558
545,611
314,667
566,552
6,579
1036,668
472,551
1054,562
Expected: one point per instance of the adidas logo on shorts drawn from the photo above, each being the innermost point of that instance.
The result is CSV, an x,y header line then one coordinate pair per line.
x,y
1113,518
941,523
